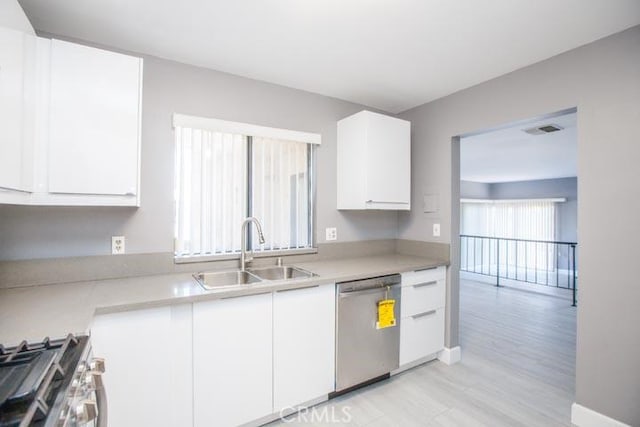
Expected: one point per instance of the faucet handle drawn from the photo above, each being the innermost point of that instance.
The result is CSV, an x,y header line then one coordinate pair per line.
x,y
279,262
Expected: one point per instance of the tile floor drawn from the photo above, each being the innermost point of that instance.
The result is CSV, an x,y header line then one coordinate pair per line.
x,y
517,369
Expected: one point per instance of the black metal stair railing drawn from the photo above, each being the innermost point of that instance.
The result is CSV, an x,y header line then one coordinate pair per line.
x,y
540,262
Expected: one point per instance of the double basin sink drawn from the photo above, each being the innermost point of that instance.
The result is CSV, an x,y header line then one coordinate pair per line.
x,y
229,279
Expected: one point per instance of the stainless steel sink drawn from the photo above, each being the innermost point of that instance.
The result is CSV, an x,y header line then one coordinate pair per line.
x,y
225,279
281,273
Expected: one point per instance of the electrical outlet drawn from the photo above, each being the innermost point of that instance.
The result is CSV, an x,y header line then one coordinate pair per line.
x,y
117,245
332,233
436,230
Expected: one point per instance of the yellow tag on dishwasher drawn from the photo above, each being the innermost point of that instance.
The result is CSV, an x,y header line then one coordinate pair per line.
x,y
386,316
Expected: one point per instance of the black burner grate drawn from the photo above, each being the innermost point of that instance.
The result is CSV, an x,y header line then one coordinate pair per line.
x,y
33,375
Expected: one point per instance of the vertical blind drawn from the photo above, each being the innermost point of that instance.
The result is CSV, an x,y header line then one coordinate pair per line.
x,y
519,219
222,178
211,182
280,192
522,219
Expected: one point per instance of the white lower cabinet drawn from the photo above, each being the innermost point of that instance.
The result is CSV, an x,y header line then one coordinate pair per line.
x,y
232,360
422,312
421,335
303,346
220,363
148,365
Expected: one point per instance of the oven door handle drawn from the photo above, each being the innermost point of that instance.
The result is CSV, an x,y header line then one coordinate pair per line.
x,y
100,394
101,402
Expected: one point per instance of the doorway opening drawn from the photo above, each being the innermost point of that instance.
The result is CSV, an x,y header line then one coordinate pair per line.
x,y
514,209
518,206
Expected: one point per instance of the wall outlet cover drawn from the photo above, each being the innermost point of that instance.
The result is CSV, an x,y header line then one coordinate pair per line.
x,y
331,233
436,230
117,245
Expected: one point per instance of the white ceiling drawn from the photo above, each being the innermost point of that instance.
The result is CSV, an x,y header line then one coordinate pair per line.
x,y
509,154
388,54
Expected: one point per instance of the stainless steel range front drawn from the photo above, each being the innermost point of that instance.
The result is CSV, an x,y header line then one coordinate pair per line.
x,y
55,383
364,351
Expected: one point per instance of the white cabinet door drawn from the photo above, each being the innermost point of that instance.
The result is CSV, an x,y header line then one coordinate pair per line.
x,y
421,335
148,361
94,121
232,360
388,161
13,62
373,162
303,345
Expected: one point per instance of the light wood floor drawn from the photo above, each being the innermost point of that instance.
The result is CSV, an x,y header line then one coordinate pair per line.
x,y
517,369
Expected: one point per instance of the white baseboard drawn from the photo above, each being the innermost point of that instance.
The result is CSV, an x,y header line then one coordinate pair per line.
x,y
450,355
585,417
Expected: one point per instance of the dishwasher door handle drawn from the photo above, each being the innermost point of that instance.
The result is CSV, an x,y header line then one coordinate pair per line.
x,y
365,291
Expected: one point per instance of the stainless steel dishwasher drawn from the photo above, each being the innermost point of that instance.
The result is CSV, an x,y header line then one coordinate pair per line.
x,y
365,353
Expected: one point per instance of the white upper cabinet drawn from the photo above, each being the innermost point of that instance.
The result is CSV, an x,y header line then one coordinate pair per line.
x,y
71,119
17,64
374,162
94,121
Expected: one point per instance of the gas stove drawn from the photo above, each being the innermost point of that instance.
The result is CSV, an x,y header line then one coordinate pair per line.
x,y
54,383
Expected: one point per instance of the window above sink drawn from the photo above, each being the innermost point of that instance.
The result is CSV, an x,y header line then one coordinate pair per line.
x,y
227,171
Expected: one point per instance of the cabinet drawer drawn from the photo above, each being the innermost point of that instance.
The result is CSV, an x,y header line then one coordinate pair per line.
x,y
422,276
421,335
422,297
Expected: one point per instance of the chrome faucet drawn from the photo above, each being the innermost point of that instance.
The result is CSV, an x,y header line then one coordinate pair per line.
x,y
244,257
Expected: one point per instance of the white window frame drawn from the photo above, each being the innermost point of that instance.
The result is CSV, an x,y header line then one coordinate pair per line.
x,y
250,131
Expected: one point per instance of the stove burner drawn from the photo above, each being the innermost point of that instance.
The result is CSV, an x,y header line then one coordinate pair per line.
x,y
34,379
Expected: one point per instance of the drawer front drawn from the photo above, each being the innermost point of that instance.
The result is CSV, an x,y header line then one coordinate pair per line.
x,y
422,276
421,335
422,297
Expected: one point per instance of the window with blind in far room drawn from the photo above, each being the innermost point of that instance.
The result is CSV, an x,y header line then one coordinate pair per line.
x,y
513,219
223,177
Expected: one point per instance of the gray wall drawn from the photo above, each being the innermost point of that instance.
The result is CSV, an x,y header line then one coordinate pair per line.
x,y
567,212
39,232
602,80
475,190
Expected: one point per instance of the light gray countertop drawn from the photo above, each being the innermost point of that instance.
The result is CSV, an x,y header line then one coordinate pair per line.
x,y
32,313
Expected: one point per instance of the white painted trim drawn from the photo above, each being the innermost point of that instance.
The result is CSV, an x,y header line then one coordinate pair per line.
x,y
554,200
215,125
450,356
585,417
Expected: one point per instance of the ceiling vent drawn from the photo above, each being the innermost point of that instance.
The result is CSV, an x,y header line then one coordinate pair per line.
x,y
541,130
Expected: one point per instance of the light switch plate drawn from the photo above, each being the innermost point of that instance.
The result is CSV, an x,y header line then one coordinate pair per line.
x,y
117,245
436,230
331,233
